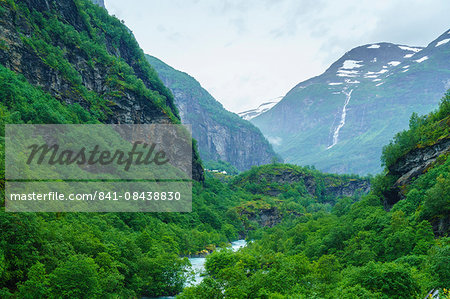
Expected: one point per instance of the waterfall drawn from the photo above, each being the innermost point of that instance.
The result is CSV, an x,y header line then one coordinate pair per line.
x,y
342,122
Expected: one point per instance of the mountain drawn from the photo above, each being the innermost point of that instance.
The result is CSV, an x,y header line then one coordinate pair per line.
x,y
221,135
252,113
340,120
84,58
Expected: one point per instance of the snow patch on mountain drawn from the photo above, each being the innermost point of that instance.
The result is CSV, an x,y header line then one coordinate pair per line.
x,y
409,55
406,48
351,64
382,71
375,46
351,82
394,63
421,59
444,41
347,73
249,114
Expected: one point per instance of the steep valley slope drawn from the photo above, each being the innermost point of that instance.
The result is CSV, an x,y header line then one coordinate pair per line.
x,y
221,135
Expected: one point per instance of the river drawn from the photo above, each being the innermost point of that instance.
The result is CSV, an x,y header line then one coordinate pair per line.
x,y
198,265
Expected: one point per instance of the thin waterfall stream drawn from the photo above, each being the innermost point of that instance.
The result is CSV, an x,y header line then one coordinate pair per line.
x,y
342,122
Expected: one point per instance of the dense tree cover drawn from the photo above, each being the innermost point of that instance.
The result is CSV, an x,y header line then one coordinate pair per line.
x,y
76,255
98,40
288,181
352,249
324,247
87,255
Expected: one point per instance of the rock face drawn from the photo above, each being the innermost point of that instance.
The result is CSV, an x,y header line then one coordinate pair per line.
x,y
264,217
221,135
412,165
340,121
348,188
101,73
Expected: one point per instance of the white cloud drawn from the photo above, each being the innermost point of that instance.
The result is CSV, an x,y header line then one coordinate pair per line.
x,y
274,140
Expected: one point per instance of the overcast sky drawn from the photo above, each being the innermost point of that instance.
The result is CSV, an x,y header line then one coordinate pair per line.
x,y
245,52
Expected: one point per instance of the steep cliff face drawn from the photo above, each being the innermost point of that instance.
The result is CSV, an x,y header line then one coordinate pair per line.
x,y
418,161
76,70
221,135
411,166
265,217
75,51
347,188
421,180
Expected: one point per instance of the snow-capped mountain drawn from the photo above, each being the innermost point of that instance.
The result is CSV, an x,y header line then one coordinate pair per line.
x,y
249,114
340,120
368,63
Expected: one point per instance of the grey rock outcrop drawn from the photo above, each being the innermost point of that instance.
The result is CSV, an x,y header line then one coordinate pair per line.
x,y
413,164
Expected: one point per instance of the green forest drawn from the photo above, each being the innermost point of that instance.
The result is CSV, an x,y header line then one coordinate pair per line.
x,y
322,247
309,234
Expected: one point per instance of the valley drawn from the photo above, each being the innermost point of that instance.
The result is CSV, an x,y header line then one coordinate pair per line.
x,y
349,199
